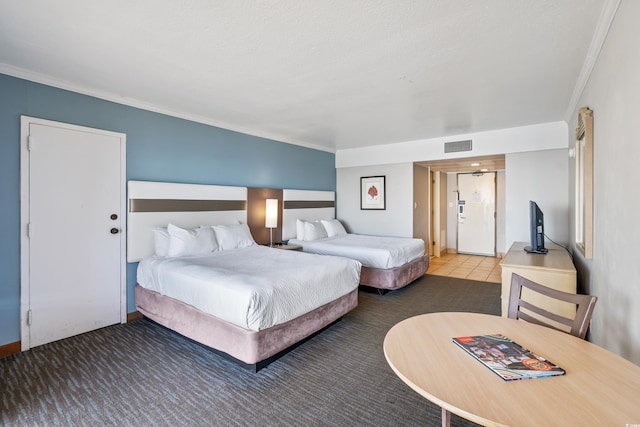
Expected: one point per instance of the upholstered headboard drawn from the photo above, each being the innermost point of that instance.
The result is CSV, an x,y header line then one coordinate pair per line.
x,y
156,204
307,205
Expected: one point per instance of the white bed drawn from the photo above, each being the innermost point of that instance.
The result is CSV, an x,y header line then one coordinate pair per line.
x,y
266,300
387,262
372,251
255,287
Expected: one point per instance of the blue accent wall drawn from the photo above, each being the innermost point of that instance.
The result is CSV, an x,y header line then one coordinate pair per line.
x,y
159,148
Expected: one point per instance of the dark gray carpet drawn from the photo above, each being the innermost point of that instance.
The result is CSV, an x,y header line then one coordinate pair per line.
x,y
144,375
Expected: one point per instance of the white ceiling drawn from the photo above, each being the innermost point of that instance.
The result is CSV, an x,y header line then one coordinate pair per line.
x,y
330,74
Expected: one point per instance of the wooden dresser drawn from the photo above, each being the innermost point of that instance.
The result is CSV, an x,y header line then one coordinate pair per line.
x,y
554,269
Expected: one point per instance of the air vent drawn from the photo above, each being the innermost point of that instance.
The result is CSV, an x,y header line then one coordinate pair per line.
x,y
457,146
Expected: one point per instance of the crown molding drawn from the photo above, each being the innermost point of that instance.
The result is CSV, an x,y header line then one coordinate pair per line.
x,y
131,102
607,15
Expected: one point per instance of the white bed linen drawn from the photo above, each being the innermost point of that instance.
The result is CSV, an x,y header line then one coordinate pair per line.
x,y
255,287
371,251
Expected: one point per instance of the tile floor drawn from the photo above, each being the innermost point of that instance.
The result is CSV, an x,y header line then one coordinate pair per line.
x,y
472,267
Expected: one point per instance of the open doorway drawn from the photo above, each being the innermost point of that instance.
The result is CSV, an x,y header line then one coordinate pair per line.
x,y
443,217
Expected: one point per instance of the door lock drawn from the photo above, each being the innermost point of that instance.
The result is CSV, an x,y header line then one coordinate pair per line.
x,y
114,217
114,231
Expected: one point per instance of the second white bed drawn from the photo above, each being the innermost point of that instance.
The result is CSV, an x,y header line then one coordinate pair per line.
x,y
372,251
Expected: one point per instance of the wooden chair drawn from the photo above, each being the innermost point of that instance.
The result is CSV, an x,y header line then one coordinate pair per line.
x,y
579,324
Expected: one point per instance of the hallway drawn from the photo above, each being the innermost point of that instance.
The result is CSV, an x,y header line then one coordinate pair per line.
x,y
472,267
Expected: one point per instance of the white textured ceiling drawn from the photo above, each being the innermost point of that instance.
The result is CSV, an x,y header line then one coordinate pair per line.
x,y
329,74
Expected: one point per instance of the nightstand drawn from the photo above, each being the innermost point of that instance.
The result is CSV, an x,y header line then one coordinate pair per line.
x,y
288,247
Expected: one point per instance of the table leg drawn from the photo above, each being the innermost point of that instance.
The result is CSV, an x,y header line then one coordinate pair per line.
x,y
446,418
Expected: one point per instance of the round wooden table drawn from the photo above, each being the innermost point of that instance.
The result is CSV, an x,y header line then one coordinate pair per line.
x,y
599,388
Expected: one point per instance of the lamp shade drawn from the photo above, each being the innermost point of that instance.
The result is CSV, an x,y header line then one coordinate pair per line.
x,y
271,213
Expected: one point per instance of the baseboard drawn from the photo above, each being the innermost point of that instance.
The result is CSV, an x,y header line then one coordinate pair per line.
x,y
135,315
9,349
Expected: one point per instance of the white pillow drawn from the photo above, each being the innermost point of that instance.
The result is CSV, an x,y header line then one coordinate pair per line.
x,y
300,229
161,241
314,230
333,227
233,236
197,241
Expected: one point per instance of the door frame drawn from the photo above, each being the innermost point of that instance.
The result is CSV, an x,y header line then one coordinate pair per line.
x,y
435,213
25,284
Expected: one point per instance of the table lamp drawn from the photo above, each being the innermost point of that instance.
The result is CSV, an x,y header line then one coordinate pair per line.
x,y
271,217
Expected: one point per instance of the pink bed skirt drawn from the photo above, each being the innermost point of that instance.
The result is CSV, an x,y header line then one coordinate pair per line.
x,y
394,278
250,347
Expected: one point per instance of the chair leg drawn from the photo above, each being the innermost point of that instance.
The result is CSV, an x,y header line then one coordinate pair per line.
x,y
446,418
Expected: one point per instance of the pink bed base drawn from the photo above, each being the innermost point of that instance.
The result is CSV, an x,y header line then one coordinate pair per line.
x,y
254,349
394,278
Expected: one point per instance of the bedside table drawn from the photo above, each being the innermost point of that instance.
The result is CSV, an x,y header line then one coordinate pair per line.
x,y
288,247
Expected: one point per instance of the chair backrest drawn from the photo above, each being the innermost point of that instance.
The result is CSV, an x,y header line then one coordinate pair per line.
x,y
579,324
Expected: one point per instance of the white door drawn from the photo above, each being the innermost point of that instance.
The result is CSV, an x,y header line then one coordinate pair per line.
x,y
73,279
477,213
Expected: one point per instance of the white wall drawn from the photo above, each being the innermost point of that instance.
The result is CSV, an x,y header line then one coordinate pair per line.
x,y
613,274
396,219
545,136
541,176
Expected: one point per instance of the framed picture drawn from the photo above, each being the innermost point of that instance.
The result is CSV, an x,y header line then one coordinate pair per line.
x,y
372,192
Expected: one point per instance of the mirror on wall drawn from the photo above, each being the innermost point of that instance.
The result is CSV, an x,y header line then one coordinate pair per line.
x,y
584,182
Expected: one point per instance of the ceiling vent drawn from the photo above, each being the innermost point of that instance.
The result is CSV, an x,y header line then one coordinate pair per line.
x,y
457,146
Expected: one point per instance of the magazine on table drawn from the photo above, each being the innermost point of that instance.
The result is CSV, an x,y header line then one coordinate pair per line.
x,y
507,358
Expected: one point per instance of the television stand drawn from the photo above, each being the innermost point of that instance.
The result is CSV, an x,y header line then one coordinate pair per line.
x,y
530,250
554,270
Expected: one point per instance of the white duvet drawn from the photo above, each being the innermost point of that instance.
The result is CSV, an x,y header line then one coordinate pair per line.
x,y
255,287
371,251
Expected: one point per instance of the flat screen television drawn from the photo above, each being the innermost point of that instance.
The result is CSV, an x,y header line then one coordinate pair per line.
x,y
536,230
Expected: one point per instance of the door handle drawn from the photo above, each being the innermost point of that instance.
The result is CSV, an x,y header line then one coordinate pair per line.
x,y
114,230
